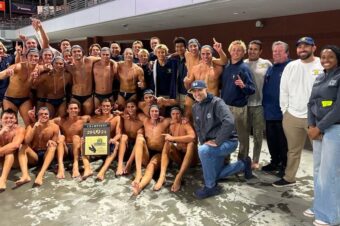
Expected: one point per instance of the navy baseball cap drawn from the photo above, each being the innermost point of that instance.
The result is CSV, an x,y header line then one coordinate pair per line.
x,y
198,84
306,40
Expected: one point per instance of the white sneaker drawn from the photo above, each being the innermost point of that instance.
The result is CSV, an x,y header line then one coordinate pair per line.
x,y
308,213
320,223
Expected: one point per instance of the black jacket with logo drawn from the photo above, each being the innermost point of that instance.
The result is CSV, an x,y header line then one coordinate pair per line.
x,y
324,102
213,120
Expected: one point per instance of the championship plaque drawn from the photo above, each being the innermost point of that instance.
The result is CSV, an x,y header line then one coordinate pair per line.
x,y
96,138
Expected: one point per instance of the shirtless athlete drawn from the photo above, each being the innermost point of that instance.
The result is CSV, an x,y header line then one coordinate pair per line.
x,y
11,137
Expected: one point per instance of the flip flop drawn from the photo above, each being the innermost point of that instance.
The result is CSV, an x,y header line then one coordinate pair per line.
x,y
19,184
98,180
2,190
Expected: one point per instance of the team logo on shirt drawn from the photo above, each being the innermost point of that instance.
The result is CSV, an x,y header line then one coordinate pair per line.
x,y
208,115
169,70
332,82
316,72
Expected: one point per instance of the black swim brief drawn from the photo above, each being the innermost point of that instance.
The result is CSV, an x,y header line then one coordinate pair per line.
x,y
16,101
101,97
81,99
126,95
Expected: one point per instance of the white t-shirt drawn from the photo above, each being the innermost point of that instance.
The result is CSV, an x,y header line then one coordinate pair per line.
x,y
296,86
258,69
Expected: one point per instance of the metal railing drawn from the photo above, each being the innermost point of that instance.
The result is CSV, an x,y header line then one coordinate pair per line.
x,y
49,12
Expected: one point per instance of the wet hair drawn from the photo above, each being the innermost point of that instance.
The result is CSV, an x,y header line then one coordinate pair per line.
x,y
73,102
131,101
208,47
154,106
43,109
180,40
285,45
335,49
9,111
58,58
32,50
94,45
238,42
148,91
105,100
104,49
177,108
194,41
77,47
45,50
256,42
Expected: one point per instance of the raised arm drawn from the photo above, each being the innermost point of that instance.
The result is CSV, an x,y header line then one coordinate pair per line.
x,y
223,57
44,40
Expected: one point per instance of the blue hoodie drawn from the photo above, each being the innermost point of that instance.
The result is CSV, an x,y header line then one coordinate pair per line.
x,y
271,92
231,94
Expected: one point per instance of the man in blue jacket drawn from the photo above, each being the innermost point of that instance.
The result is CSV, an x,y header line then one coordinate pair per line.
x,y
214,125
5,61
237,85
276,139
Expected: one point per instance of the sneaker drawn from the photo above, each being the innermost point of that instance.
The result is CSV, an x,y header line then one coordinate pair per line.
x,y
270,167
308,213
283,183
206,192
247,168
320,223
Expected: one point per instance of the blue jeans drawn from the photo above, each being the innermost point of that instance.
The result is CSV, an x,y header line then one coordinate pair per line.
x,y
326,156
213,166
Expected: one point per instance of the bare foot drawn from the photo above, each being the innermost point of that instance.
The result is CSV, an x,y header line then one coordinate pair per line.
x,y
176,185
22,181
127,169
61,172
38,181
87,174
100,177
3,185
136,180
75,172
135,188
119,171
158,185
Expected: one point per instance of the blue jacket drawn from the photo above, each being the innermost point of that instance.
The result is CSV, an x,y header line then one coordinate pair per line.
x,y
4,64
271,92
232,94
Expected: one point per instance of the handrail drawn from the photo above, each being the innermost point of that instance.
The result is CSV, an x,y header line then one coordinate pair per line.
x,y
51,12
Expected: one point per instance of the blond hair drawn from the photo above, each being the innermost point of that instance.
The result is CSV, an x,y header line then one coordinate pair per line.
x,y
137,42
163,47
3,46
238,42
141,51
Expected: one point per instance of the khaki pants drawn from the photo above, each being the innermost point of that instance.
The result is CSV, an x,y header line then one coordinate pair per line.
x,y
241,124
296,133
256,122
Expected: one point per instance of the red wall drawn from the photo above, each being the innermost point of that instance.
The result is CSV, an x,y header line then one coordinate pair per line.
x,y
322,26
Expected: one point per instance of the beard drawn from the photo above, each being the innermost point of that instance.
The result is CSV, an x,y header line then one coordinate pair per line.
x,y
305,55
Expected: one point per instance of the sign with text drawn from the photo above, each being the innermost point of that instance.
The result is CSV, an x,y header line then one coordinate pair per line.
x,y
96,138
